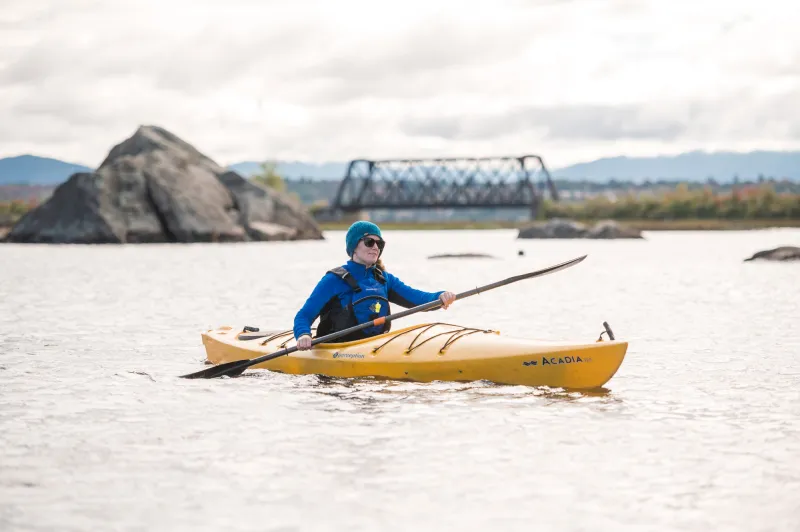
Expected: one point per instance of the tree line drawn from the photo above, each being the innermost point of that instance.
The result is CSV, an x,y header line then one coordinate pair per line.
x,y
740,203
750,202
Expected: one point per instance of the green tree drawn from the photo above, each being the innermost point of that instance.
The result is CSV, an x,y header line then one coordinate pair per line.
x,y
270,177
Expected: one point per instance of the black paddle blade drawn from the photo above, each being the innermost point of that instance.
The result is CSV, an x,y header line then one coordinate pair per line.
x,y
229,369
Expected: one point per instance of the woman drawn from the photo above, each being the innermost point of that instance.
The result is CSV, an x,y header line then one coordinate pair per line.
x,y
358,292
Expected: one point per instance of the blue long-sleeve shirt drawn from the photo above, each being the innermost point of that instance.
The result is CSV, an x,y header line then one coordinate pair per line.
x,y
332,286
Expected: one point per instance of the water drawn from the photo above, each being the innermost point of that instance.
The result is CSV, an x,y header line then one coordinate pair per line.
x,y
699,429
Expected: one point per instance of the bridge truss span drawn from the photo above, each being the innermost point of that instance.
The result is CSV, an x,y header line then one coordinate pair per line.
x,y
489,182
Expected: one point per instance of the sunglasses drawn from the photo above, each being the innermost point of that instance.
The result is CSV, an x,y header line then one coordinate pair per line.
x,y
370,242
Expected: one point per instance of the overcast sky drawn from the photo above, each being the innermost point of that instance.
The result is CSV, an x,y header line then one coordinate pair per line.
x,y
336,80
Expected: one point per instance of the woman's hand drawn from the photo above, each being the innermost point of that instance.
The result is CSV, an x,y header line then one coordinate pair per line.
x,y
304,343
447,299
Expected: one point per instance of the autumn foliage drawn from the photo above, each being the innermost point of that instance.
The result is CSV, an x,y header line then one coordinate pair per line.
x,y
11,211
742,203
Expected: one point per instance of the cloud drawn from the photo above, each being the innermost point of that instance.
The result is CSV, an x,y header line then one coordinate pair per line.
x,y
316,80
583,122
426,47
199,59
708,119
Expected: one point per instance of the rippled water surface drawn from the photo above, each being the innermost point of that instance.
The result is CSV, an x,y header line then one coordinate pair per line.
x,y
698,430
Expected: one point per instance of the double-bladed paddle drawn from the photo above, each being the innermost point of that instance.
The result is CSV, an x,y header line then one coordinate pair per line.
x,y
234,369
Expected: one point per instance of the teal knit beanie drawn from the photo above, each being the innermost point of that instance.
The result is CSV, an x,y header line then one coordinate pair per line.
x,y
357,231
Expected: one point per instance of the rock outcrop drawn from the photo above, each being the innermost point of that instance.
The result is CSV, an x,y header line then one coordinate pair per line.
x,y
267,214
560,228
154,187
783,253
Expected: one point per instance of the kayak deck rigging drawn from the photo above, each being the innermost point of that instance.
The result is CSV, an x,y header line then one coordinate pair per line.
x,y
455,333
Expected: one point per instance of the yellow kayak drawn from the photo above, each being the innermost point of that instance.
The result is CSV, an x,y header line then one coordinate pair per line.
x,y
431,352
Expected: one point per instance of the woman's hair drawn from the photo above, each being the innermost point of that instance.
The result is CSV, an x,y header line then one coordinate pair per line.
x,y
380,265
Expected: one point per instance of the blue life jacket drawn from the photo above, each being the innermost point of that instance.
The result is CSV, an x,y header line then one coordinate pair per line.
x,y
368,301
354,294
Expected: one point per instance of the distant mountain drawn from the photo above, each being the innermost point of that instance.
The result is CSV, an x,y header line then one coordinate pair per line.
x,y
691,166
33,170
295,169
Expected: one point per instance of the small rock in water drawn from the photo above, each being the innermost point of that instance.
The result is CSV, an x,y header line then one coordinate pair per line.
x,y
561,228
143,374
612,229
783,253
555,228
462,256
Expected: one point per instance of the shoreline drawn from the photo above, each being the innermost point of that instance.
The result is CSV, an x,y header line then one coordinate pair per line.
x,y
642,225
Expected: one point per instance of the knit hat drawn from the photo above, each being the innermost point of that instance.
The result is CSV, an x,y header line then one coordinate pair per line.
x,y
357,231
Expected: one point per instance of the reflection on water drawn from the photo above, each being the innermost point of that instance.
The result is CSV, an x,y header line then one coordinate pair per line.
x,y
699,430
371,391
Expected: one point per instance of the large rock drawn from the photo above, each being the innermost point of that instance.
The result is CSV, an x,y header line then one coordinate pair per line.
x,y
268,215
783,253
154,187
80,210
560,228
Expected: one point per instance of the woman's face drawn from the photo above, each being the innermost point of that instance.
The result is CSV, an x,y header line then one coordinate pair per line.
x,y
367,255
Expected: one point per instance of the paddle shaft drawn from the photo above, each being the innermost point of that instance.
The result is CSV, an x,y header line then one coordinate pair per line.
x,y
236,368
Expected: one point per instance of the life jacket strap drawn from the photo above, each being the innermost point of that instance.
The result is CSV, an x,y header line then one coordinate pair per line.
x,y
345,276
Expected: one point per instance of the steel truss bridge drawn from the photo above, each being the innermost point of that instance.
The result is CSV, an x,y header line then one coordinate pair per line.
x,y
453,183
